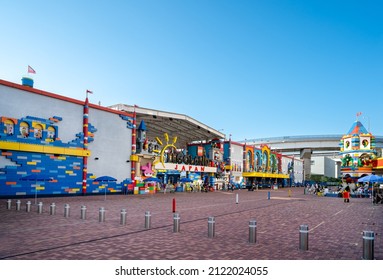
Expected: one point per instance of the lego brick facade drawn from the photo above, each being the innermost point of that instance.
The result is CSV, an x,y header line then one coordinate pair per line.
x,y
41,134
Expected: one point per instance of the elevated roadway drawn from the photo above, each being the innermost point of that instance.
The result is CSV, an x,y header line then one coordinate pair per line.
x,y
321,145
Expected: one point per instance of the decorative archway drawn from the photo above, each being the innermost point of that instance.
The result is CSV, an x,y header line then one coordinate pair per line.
x,y
265,159
257,161
248,161
273,164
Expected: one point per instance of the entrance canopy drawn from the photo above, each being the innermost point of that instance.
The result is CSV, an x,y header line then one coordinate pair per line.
x,y
158,122
265,175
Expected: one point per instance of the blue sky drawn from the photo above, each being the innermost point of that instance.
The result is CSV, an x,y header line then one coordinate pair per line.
x,y
253,69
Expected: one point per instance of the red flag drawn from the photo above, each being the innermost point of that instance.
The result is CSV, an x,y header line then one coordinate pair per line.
x,y
89,91
358,114
31,70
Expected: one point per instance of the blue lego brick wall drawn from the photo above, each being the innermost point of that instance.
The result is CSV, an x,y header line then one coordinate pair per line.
x,y
65,171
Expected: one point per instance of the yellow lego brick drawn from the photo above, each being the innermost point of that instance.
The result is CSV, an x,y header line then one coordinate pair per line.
x,y
133,158
43,125
31,148
53,150
15,146
5,145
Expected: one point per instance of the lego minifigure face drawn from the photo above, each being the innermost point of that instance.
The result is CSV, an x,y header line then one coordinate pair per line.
x,y
24,129
8,128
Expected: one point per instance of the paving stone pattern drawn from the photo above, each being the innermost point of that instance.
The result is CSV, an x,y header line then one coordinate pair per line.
x,y
335,227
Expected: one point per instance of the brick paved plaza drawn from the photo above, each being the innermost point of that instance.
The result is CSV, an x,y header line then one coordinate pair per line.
x,y
335,227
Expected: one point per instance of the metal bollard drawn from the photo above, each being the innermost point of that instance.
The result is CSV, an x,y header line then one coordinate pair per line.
x,y
252,231
28,206
52,209
18,205
66,210
9,204
176,222
303,237
40,208
211,227
101,215
268,195
123,217
147,219
236,199
83,212
368,245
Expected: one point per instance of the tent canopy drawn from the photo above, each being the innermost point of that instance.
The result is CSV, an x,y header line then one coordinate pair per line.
x,y
371,178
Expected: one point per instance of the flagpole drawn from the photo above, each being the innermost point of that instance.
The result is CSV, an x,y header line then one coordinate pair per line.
x,y
85,144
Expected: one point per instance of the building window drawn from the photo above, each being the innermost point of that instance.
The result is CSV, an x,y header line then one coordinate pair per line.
x,y
38,131
24,129
9,127
51,132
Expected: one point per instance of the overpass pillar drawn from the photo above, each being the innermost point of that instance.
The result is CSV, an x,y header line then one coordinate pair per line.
x,y
306,156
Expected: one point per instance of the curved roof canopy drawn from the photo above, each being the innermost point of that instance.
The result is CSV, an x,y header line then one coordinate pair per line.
x,y
158,122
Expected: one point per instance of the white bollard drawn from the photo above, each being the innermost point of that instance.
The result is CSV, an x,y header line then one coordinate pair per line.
x,y
211,227
147,220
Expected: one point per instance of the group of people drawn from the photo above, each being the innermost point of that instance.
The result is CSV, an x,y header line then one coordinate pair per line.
x,y
346,191
315,189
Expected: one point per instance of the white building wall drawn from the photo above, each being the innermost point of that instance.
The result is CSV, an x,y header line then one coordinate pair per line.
x,y
236,157
112,145
330,168
18,103
298,168
317,165
285,163
327,166
298,171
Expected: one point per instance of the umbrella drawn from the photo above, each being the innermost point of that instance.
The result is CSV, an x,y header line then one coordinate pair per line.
x,y
186,180
36,177
152,179
371,178
105,179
